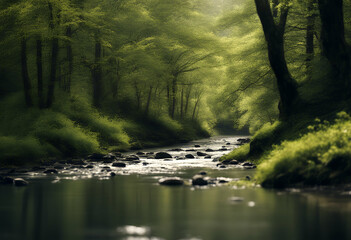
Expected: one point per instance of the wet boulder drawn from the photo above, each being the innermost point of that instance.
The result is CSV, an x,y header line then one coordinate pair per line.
x,y
140,153
197,146
209,150
132,158
199,180
243,140
202,173
108,161
190,150
201,154
161,155
119,164
20,182
189,156
230,162
96,157
233,162
171,181
51,171
208,157
244,164
112,174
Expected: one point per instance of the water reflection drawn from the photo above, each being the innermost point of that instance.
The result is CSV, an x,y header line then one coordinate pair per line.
x,y
132,207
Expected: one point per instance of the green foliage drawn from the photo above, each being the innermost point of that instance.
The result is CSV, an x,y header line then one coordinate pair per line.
x,y
14,150
241,153
322,156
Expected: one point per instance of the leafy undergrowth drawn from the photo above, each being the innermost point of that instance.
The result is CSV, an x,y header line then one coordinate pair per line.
x,y
72,128
320,157
239,154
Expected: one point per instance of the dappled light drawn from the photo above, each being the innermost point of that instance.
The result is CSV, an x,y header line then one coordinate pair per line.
x,y
175,119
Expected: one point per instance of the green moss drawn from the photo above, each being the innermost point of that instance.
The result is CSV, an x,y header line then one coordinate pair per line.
x,y
240,154
322,156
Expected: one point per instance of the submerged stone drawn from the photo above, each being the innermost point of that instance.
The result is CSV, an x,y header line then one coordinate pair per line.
x,y
20,182
198,180
171,181
201,154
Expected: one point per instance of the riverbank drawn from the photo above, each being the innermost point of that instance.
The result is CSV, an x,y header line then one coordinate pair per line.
x,y
318,154
73,129
88,203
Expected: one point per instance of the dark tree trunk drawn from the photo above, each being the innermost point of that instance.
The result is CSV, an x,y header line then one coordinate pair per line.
x,y
169,100
116,84
53,64
69,53
187,98
147,107
25,76
182,103
274,34
137,95
195,107
52,79
97,76
333,40
310,36
40,73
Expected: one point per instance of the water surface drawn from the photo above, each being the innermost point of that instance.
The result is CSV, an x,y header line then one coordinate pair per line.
x,y
133,206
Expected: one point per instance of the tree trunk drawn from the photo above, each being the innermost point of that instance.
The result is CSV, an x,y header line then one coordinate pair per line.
x,y
187,98
25,76
39,61
97,76
274,34
147,107
137,95
334,46
52,79
116,84
54,57
174,97
181,103
169,100
195,106
69,53
310,36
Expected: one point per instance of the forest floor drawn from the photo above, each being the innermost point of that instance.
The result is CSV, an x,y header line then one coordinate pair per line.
x,y
73,129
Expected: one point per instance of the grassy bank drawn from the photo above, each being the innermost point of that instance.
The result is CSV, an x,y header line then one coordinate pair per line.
x,y
73,128
307,154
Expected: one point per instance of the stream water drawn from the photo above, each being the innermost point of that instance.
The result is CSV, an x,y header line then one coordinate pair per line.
x,y
86,203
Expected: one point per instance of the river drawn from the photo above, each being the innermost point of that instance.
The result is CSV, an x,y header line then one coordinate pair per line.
x,y
87,204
